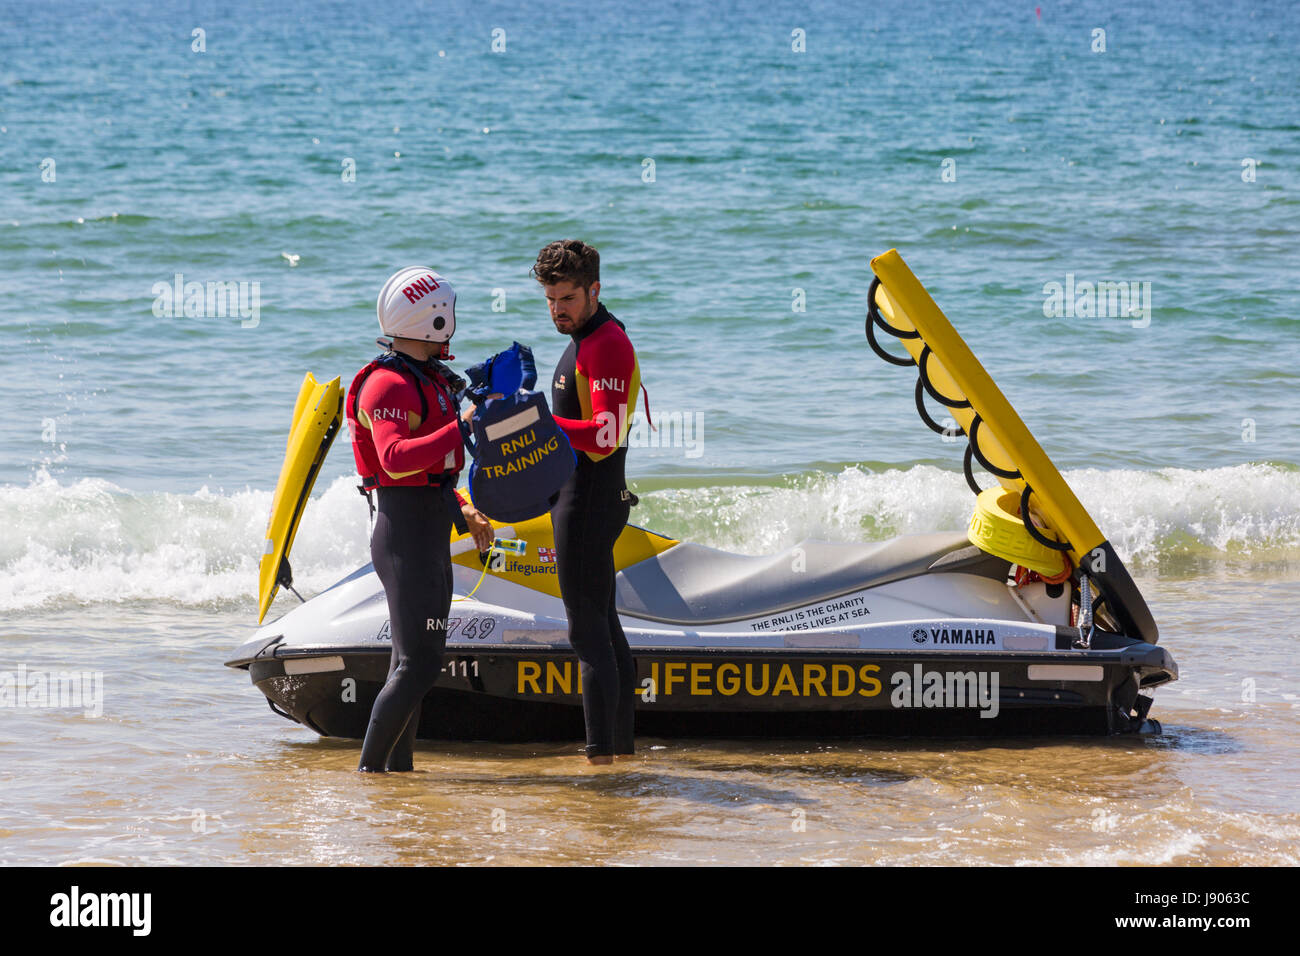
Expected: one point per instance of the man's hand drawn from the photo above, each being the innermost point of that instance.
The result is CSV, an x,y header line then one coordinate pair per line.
x,y
479,527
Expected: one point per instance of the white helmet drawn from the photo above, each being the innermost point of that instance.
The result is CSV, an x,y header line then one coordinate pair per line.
x,y
417,303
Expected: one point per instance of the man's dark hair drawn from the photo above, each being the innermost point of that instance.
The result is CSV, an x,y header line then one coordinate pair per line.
x,y
567,260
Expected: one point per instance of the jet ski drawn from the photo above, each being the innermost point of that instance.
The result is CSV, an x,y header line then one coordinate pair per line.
x,y
1027,624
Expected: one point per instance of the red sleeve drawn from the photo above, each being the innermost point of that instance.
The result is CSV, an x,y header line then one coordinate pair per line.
x,y
608,363
387,398
460,498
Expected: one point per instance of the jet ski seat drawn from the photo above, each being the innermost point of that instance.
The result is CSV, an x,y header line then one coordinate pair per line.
x,y
690,584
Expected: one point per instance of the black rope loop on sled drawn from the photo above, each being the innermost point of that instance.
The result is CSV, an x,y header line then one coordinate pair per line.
x,y
1033,531
874,317
875,346
975,446
923,383
925,415
970,477
873,311
929,386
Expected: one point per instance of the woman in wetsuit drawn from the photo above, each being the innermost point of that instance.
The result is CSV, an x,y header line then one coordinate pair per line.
x,y
594,386
407,442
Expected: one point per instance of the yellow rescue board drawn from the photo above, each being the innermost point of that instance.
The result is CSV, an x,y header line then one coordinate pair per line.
x,y
317,416
536,568
953,371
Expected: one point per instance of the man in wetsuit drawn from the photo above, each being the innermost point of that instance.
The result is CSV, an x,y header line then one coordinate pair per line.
x,y
594,387
407,442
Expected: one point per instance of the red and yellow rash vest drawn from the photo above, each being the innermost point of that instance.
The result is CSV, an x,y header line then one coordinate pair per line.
x,y
595,386
390,441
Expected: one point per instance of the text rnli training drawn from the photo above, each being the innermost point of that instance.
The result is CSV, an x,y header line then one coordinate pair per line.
x,y
520,462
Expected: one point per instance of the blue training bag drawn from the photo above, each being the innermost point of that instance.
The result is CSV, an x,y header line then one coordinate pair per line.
x,y
521,457
506,373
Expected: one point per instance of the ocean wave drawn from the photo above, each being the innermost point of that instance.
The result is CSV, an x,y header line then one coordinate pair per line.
x,y
1241,510
91,542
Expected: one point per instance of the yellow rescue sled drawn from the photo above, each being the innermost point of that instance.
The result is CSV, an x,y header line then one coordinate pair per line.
x,y
317,415
1050,531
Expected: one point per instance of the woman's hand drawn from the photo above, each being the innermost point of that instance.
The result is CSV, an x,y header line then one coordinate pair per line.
x,y
479,527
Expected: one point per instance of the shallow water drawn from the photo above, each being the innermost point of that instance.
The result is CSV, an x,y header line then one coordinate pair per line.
x,y
138,450
187,765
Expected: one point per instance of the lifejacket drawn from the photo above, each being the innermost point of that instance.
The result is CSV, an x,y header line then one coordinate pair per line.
x,y
444,385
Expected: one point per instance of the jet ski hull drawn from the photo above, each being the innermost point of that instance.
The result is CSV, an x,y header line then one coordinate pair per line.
x,y
919,635
532,693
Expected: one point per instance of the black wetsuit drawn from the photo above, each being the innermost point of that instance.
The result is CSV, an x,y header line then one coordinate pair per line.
x,y
588,516
409,549
407,440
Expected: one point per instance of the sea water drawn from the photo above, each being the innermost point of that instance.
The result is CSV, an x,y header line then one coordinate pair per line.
x,y
199,205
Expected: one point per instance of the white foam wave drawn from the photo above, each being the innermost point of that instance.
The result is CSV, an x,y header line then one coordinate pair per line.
x,y
1249,509
91,542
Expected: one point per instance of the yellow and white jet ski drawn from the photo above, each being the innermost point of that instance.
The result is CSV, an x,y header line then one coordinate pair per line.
x,y
1017,627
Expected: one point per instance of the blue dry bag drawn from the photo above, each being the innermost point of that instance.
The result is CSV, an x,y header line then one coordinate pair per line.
x,y
505,373
521,457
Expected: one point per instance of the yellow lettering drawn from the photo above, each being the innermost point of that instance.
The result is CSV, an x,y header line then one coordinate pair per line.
x,y
749,682
515,444
670,677
728,687
863,675
528,672
553,678
838,671
810,681
785,680
697,675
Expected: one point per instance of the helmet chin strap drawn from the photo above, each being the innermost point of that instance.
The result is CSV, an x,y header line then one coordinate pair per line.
x,y
442,355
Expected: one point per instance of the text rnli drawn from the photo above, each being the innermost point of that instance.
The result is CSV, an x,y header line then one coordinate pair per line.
x,y
421,287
